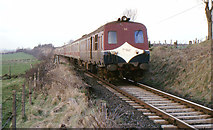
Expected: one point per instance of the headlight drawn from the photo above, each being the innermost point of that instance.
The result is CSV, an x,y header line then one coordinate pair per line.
x,y
124,18
142,51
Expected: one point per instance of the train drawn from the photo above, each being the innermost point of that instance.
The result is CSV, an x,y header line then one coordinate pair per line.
x,y
116,49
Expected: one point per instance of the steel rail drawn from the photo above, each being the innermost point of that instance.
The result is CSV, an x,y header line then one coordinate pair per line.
x,y
178,99
171,119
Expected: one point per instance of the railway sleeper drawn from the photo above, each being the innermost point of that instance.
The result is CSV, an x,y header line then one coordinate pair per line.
x,y
125,98
194,117
161,121
156,97
149,96
154,117
153,99
202,126
169,126
140,93
128,88
185,113
165,104
134,104
145,94
138,90
149,114
199,121
143,110
154,102
146,97
172,107
138,107
179,110
130,101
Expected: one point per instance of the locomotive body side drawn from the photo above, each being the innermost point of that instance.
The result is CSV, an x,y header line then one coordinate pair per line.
x,y
91,48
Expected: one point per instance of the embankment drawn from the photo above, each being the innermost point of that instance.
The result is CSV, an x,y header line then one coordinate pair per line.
x,y
184,72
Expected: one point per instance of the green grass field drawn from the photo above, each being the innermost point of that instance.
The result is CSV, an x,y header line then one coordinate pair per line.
x,y
19,63
17,56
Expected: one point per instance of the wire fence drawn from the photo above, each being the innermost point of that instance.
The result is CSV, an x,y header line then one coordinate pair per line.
x,y
184,42
177,44
19,101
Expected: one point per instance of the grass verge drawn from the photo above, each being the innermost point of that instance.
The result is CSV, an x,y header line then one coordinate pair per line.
x,y
19,63
184,72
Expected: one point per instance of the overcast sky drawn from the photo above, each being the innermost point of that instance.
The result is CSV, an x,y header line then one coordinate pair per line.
x,y
27,23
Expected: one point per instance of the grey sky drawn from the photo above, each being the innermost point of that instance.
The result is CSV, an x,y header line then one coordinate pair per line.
x,y
27,23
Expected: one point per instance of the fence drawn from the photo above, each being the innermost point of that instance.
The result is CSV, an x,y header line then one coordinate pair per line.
x,y
21,106
176,43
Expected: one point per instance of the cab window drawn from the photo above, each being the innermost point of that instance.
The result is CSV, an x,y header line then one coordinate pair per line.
x,y
112,37
139,36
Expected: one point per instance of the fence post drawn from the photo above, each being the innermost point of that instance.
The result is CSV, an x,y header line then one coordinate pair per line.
x,y
38,75
34,86
23,101
9,71
30,90
14,110
175,44
38,83
42,80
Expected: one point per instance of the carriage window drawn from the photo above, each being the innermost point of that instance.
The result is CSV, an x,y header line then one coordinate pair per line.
x,y
112,37
139,37
96,42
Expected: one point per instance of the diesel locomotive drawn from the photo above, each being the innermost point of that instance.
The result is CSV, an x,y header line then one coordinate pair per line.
x,y
118,48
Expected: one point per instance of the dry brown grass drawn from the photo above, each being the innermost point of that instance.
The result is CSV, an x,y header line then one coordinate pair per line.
x,y
65,105
185,72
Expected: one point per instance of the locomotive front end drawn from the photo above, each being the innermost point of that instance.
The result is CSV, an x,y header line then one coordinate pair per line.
x,y
126,47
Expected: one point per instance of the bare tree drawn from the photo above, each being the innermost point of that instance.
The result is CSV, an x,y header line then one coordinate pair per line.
x,y
209,17
130,13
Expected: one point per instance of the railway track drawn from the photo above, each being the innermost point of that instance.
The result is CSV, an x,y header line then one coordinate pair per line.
x,y
168,110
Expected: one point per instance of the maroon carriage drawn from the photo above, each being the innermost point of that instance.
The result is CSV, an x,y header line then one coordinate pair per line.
x,y
119,47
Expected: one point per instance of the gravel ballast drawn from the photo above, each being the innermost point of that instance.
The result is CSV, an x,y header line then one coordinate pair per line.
x,y
126,115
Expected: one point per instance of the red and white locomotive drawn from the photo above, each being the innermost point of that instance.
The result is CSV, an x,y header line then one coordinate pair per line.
x,y
119,47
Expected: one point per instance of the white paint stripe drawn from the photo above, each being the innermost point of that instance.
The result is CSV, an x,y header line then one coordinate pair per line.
x,y
127,51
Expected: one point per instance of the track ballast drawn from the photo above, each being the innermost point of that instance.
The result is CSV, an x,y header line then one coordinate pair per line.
x,y
168,110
